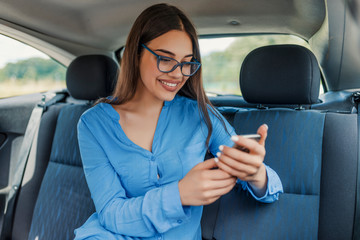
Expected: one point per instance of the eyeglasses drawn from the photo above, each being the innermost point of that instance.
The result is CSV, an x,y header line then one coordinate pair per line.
x,y
167,64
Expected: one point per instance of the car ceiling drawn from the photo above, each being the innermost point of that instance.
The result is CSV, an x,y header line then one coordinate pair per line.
x,y
66,29
82,26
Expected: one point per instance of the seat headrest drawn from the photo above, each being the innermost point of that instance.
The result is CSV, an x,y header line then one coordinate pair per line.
x,y
90,77
280,74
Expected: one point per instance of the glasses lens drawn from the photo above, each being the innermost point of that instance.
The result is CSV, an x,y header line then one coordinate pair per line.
x,y
189,68
166,64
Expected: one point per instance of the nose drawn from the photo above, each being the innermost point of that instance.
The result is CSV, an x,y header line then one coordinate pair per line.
x,y
176,73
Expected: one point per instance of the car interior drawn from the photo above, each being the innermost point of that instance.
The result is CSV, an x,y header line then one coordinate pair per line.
x,y
307,95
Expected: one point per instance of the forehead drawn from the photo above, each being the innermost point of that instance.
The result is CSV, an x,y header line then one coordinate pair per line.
x,y
175,41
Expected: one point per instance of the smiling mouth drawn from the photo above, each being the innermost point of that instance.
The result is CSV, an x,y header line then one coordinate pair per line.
x,y
169,84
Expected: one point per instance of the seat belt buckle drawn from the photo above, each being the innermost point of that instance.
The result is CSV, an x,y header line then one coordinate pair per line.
x,y
356,97
42,104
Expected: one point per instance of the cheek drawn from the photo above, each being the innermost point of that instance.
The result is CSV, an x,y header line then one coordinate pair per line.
x,y
148,73
149,78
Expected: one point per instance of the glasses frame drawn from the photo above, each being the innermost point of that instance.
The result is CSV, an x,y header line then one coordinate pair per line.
x,y
159,57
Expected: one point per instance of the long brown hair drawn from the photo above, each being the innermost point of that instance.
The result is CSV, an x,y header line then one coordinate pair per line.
x,y
150,24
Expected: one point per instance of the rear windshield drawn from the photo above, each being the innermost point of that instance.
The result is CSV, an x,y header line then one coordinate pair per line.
x,y
222,59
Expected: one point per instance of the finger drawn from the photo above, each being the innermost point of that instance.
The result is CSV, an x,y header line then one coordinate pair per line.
x,y
241,175
252,145
222,183
239,166
262,130
210,186
211,200
207,164
220,191
217,174
245,158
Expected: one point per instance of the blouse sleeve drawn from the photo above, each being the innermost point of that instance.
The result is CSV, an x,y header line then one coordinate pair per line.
x,y
159,210
221,136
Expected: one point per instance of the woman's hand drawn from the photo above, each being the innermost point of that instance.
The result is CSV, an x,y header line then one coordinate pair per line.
x,y
246,166
203,185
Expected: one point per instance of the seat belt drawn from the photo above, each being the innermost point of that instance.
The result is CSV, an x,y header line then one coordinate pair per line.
x,y
356,227
12,189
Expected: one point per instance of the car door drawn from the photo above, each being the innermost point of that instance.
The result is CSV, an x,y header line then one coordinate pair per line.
x,y
25,73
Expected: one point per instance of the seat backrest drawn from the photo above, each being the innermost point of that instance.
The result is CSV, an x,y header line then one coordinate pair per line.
x,y
287,76
60,199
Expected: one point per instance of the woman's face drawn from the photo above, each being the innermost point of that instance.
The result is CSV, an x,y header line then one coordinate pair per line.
x,y
164,86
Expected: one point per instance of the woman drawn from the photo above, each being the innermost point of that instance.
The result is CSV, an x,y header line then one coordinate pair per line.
x,y
143,147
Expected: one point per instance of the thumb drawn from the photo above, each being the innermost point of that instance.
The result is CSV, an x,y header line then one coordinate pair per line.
x,y
207,164
262,130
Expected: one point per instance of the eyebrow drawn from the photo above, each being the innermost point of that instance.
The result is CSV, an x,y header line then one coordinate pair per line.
x,y
172,54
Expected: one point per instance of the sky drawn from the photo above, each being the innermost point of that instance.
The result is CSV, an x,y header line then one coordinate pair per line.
x,y
13,51
210,45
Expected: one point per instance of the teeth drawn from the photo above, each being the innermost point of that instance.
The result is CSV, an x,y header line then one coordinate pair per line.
x,y
169,84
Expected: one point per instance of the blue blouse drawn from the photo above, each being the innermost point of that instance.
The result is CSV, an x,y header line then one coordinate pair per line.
x,y
135,191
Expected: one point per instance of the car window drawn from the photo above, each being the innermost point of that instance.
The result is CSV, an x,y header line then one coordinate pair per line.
x,y
25,70
222,59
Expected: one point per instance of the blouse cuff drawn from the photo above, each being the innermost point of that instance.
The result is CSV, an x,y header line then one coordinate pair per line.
x,y
171,202
273,189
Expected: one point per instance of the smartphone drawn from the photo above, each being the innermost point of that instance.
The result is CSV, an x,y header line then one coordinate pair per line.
x,y
256,137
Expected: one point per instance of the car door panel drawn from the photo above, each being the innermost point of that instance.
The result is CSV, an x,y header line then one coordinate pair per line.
x,y
14,115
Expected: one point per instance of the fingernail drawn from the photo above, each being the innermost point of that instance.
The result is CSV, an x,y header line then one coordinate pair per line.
x,y
216,160
221,147
218,154
234,138
267,127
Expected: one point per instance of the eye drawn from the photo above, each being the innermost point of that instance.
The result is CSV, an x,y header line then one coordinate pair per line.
x,y
189,64
164,59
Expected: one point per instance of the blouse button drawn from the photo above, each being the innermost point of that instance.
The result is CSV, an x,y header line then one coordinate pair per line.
x,y
152,158
179,221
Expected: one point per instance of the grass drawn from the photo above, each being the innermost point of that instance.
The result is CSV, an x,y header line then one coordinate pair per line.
x,y
11,88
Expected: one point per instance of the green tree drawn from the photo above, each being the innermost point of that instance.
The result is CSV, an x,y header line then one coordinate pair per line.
x,y
36,69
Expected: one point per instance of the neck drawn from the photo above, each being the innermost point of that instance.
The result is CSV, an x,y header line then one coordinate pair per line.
x,y
143,101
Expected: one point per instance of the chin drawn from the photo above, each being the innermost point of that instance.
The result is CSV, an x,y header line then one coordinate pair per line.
x,y
168,97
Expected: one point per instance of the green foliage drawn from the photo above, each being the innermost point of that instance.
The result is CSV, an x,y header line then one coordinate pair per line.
x,y
37,69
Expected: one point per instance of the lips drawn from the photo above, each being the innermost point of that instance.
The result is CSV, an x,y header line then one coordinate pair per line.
x,y
170,85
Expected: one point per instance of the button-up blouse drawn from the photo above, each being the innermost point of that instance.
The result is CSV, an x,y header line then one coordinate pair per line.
x,y
135,191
